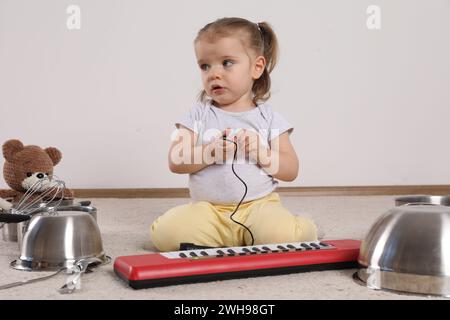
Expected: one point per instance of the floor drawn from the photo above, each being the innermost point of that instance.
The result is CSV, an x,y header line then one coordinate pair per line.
x,y
124,226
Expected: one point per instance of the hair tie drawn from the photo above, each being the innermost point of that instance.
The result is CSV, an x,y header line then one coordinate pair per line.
x,y
262,36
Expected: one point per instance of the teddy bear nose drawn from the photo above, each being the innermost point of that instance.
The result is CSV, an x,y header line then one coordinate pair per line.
x,y
40,175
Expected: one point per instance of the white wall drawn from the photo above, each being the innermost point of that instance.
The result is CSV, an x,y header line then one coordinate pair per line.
x,y
370,107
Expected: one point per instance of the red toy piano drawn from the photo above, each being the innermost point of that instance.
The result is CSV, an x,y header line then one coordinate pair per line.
x,y
201,265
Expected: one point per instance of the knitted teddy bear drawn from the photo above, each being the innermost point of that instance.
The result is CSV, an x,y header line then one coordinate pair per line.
x,y
24,167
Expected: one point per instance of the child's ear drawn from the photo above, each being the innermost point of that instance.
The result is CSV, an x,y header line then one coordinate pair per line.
x,y
258,67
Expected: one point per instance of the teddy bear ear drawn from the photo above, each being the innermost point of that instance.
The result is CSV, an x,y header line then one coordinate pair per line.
x,y
54,154
10,148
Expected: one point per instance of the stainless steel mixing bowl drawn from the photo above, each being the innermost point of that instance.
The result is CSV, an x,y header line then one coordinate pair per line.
x,y
408,250
9,230
58,238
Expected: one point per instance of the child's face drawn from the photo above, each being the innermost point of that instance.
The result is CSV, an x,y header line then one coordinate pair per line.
x,y
228,71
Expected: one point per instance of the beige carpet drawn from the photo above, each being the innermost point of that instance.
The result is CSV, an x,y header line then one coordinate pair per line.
x,y
124,225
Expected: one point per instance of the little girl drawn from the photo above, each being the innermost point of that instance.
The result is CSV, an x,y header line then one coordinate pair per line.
x,y
234,148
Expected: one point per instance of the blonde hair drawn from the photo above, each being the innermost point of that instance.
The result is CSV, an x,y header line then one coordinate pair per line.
x,y
258,37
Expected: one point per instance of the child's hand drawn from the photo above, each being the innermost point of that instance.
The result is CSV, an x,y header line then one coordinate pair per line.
x,y
249,141
223,149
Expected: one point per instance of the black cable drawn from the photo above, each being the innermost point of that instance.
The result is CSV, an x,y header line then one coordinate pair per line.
x,y
245,193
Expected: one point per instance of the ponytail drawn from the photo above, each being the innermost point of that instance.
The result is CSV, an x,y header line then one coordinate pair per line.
x,y
269,50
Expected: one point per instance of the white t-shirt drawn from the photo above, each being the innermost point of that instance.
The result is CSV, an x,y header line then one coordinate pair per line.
x,y
216,183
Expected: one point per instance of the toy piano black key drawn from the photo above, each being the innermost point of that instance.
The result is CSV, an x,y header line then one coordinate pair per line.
x,y
292,247
220,253
284,249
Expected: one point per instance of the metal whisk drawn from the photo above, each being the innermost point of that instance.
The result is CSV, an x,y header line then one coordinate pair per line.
x,y
44,192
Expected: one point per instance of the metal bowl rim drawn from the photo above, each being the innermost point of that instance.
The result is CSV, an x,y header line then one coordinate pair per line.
x,y
443,200
404,283
30,265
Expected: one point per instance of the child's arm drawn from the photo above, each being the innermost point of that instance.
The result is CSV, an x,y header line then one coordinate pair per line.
x,y
186,157
184,154
282,165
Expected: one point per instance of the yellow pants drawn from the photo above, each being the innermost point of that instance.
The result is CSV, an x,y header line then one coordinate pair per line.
x,y
206,224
